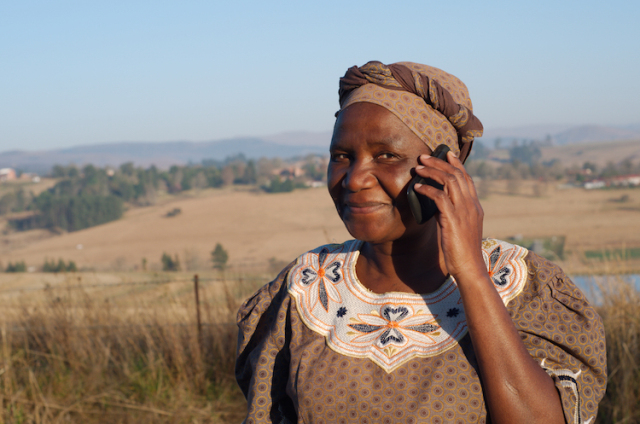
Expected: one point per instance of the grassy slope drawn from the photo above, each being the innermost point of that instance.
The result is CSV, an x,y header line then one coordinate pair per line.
x,y
254,227
598,153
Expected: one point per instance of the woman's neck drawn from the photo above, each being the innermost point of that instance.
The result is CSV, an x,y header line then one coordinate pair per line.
x,y
411,266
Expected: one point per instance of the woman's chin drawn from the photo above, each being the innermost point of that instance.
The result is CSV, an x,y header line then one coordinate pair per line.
x,y
372,233
377,232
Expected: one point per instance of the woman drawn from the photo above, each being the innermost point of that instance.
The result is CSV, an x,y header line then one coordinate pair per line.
x,y
416,322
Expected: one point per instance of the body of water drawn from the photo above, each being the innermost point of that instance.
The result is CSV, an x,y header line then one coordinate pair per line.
x,y
591,284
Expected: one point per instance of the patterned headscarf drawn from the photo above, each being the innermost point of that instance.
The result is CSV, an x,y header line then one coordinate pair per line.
x,y
435,105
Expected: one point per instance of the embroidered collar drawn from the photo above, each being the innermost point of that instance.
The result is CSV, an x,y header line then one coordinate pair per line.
x,y
390,328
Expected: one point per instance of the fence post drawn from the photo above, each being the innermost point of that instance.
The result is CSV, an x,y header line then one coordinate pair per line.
x,y
195,283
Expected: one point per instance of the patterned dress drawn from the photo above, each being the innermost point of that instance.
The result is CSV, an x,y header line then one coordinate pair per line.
x,y
315,346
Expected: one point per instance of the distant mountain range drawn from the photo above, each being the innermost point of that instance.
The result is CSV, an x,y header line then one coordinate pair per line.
x,y
285,145
165,154
561,135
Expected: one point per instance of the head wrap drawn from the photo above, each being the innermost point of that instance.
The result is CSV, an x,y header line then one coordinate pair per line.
x,y
435,105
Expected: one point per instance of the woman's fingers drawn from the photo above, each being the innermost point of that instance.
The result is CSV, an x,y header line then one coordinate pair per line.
x,y
457,163
460,218
452,176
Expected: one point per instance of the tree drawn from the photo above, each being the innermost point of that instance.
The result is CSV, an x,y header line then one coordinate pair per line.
x,y
169,263
249,175
526,153
17,267
219,257
60,266
278,185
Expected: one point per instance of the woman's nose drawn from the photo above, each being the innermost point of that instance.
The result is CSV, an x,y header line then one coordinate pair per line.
x,y
359,176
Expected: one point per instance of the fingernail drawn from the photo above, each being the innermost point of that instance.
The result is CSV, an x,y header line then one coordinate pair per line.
x,y
425,157
419,166
417,185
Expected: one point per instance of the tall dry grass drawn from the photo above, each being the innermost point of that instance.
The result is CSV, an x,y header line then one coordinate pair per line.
x,y
620,312
70,354
74,355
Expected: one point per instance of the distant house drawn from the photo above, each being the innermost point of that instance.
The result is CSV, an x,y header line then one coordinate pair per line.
x,y
626,181
619,181
591,185
289,172
7,174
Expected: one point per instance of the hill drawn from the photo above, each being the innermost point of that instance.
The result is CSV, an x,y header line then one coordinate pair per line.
x,y
599,153
560,135
284,145
163,154
255,227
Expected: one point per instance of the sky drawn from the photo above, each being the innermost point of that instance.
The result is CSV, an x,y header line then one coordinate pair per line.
x,y
89,72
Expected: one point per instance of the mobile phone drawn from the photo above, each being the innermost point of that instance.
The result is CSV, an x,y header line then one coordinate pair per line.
x,y
423,208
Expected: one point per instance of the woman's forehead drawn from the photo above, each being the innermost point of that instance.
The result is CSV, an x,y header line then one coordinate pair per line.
x,y
375,125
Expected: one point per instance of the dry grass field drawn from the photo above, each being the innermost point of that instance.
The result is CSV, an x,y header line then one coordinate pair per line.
x,y
598,153
119,348
125,348
255,227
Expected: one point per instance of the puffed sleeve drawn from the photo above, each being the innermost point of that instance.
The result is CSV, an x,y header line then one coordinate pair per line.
x,y
262,361
563,332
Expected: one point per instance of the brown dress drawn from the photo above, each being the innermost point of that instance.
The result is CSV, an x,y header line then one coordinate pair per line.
x,y
315,346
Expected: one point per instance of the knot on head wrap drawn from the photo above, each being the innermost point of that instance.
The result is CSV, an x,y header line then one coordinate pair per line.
x,y
435,105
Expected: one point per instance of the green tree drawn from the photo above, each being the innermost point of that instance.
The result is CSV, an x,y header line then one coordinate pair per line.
x,y
17,267
279,186
74,213
169,263
60,266
219,257
526,153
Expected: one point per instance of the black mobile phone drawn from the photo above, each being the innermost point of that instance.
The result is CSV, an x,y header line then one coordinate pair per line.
x,y
421,206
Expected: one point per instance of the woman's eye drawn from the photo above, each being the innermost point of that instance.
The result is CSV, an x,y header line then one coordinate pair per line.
x,y
386,155
339,157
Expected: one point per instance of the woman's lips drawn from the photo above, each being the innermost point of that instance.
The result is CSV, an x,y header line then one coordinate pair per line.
x,y
363,207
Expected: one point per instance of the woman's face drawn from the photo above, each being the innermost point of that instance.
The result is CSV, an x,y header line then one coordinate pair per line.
x,y
372,156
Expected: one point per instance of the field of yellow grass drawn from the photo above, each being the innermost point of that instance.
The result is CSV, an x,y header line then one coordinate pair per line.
x,y
125,348
255,227
120,347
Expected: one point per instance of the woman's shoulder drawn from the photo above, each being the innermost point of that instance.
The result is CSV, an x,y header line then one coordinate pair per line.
x,y
259,302
514,267
276,290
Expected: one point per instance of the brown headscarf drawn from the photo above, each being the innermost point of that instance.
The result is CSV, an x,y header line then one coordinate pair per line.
x,y
435,105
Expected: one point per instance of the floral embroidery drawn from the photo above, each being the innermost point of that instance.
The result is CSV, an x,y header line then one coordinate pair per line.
x,y
497,271
317,280
453,312
390,328
567,378
394,324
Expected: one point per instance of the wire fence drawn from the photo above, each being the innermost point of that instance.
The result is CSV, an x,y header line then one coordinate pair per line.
x,y
199,299
67,286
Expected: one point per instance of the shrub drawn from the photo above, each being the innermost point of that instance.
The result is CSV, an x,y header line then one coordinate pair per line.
x,y
173,212
59,266
17,267
278,185
169,263
219,257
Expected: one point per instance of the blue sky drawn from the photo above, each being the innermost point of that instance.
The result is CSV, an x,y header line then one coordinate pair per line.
x,y
85,72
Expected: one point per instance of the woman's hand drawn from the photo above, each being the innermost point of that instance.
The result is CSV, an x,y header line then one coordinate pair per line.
x,y
460,217
516,388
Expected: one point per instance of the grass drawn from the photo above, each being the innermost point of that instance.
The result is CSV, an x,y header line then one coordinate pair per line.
x,y
613,254
127,350
73,354
620,312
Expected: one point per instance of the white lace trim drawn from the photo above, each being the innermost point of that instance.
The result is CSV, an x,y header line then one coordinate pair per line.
x,y
390,328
